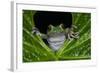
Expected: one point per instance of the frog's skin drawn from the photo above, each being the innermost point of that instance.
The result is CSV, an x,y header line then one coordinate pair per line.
x,y
56,35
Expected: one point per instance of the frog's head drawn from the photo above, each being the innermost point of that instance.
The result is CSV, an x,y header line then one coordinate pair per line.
x,y
55,30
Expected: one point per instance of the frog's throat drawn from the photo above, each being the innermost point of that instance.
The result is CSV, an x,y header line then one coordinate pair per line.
x,y
56,42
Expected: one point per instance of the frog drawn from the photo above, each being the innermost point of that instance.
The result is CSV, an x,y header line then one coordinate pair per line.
x,y
56,35
54,27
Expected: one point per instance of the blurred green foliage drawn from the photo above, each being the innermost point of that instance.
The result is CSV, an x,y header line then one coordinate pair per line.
x,y
35,50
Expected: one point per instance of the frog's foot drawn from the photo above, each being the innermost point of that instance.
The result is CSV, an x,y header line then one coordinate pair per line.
x,y
37,32
73,35
70,34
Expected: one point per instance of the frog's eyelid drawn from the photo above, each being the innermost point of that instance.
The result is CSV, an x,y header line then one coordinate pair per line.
x,y
50,26
61,26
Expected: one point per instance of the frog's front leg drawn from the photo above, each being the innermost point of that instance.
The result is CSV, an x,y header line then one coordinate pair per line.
x,y
37,32
70,34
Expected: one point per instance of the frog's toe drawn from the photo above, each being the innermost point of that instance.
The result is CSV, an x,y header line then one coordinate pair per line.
x,y
76,35
69,37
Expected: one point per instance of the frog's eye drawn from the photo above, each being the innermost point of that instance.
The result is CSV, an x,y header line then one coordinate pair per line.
x,y
50,27
61,26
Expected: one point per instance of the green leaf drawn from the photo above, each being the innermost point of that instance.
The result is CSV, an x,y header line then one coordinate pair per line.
x,y
35,50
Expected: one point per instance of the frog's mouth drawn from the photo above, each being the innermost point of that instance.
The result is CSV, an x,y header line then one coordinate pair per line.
x,y
56,40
